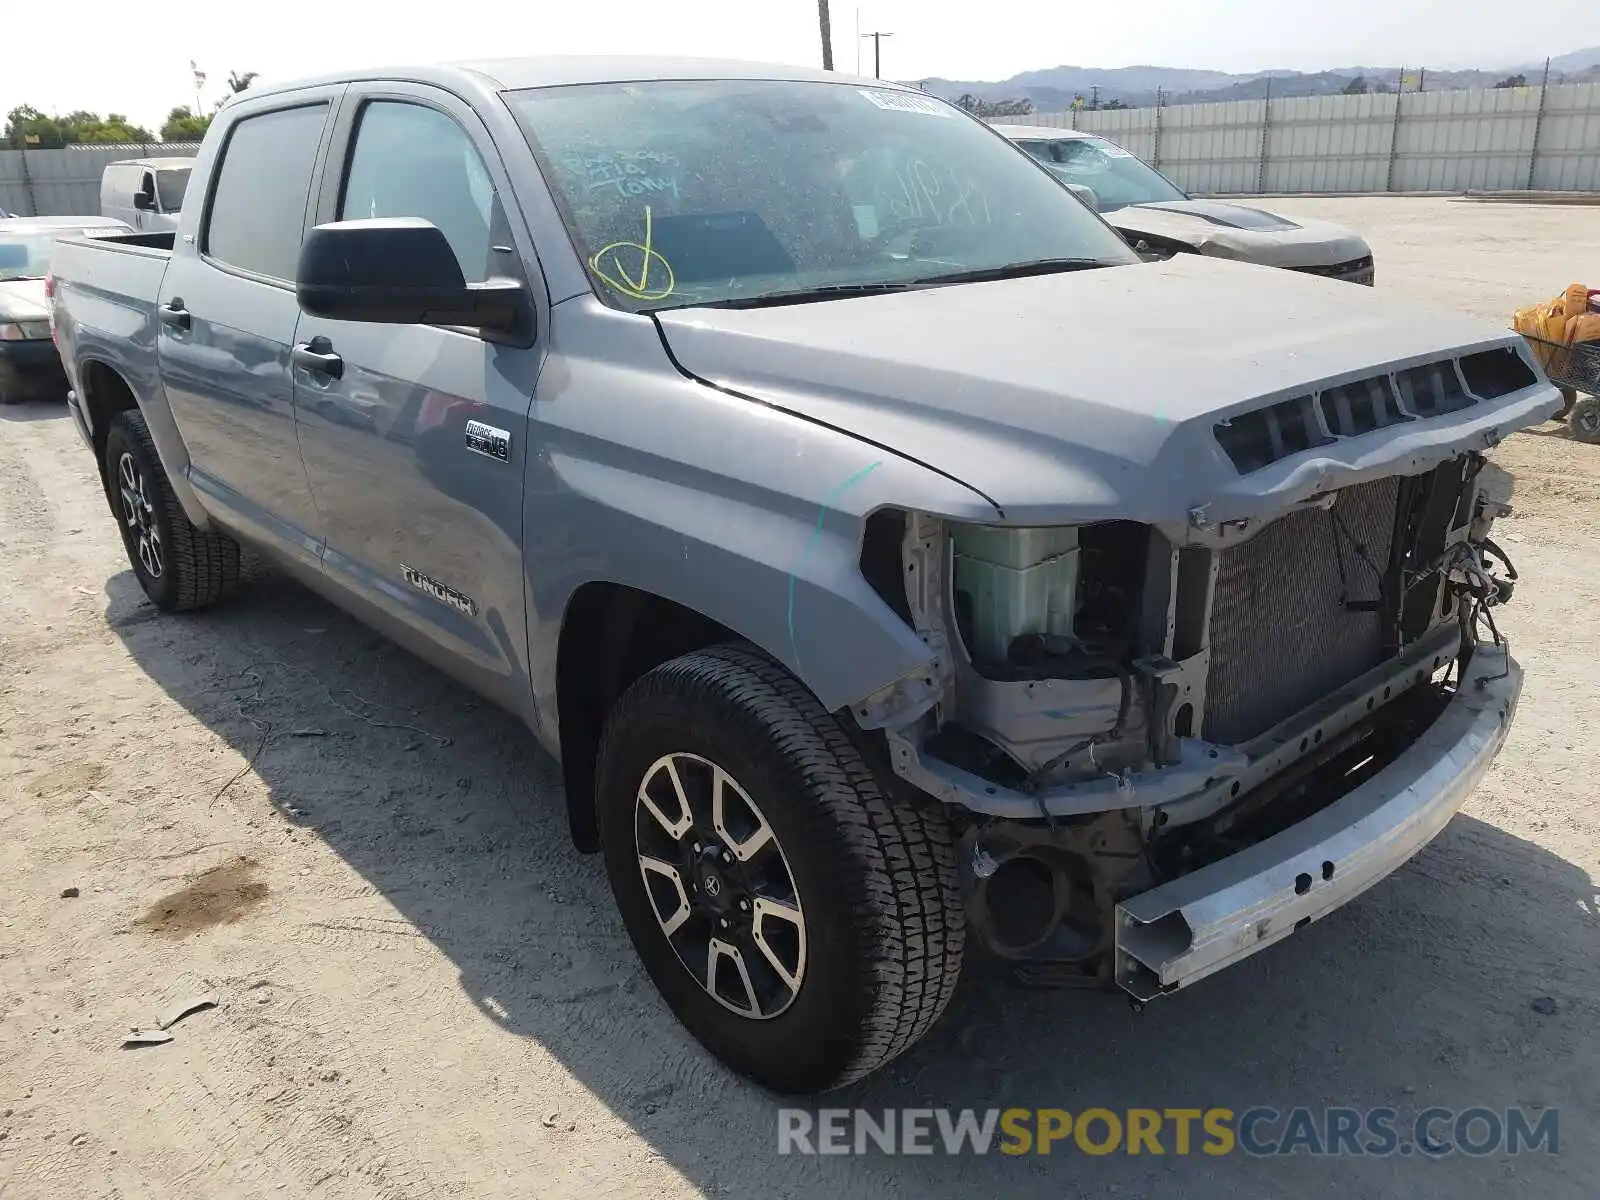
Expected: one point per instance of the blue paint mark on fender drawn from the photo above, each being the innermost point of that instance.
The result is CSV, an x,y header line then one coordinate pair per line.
x,y
828,502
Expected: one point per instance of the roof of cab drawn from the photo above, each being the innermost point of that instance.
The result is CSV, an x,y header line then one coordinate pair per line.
x,y
513,74
169,163
1045,133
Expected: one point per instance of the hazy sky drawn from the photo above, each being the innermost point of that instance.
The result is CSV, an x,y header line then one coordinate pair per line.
x,y
104,55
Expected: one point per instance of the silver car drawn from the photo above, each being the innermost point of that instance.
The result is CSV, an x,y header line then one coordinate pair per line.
x,y
1160,219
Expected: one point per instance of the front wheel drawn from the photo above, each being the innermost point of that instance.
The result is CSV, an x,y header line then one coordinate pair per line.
x,y
801,922
178,565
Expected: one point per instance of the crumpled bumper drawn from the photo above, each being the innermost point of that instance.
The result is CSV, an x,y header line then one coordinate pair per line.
x,y
1182,931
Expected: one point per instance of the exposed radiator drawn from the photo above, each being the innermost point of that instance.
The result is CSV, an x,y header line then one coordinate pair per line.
x,y
1281,634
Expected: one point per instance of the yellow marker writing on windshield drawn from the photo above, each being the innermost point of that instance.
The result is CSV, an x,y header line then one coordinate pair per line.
x,y
617,274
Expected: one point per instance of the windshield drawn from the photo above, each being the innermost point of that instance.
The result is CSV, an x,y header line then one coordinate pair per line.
x,y
1116,177
170,186
705,191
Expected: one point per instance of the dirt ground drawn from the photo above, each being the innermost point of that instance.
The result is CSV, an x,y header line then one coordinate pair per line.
x,y
424,992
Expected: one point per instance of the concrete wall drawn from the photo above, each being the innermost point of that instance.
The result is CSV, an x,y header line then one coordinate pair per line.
x,y
1417,142
48,183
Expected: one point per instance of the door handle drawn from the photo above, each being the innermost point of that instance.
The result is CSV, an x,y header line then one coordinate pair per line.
x,y
173,313
317,357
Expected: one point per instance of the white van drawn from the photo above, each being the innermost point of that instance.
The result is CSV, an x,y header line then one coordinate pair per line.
x,y
147,193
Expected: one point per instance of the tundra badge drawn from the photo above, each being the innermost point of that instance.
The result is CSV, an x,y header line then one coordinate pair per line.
x,y
441,593
489,441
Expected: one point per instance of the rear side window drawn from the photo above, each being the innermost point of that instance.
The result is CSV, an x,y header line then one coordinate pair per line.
x,y
258,206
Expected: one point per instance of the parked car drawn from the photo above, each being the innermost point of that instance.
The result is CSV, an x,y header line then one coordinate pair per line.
x,y
29,364
1160,219
729,418
147,193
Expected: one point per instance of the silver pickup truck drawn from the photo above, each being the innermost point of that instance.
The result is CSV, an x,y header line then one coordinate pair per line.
x,y
896,564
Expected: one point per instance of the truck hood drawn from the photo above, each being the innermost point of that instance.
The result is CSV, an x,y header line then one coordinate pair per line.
x,y
1096,394
1239,231
23,300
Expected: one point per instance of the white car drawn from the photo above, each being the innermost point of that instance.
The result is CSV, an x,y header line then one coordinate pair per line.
x,y
1159,219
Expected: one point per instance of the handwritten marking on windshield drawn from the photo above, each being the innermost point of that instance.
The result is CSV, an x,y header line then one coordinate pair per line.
x,y
828,502
923,197
610,264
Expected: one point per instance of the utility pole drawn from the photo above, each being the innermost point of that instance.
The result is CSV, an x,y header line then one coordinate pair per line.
x,y
826,23
1094,96
877,36
1422,77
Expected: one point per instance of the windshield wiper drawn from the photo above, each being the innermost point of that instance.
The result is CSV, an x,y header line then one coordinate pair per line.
x,y
1017,270
827,291
842,291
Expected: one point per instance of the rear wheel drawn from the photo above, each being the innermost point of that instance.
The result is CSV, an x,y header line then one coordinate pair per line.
x,y
804,925
1584,420
178,565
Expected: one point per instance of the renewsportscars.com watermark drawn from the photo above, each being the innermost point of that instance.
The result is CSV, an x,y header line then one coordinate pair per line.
x,y
1261,1131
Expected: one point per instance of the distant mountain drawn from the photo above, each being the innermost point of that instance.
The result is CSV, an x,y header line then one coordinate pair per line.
x,y
1053,89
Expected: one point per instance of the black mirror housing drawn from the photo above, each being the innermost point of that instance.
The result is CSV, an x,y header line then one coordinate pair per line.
x,y
144,202
397,271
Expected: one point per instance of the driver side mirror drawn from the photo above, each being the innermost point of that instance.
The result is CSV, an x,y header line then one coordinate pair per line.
x,y
398,271
144,202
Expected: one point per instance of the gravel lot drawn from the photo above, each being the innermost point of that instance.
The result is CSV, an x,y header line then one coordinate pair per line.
x,y
424,991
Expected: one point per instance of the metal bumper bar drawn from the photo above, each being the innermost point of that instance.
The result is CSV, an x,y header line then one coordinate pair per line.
x,y
1175,934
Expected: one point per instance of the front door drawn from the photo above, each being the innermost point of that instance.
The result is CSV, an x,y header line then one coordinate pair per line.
x,y
415,436
227,314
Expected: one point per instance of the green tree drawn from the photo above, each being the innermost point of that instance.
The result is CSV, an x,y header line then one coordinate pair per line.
x,y
29,129
182,125
1513,81
115,129
238,82
1356,87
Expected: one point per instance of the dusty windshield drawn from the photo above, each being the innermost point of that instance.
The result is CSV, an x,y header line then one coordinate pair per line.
x,y
1116,177
704,191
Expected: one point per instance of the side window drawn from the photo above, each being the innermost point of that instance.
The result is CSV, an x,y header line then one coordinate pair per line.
x,y
413,161
258,206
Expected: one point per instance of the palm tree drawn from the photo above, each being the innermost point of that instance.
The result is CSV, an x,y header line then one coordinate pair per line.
x,y
238,83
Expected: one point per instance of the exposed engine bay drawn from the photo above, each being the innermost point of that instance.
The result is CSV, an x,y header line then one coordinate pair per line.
x,y
1119,705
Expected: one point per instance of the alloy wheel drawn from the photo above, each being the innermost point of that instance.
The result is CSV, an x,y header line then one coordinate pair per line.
x,y
139,515
719,885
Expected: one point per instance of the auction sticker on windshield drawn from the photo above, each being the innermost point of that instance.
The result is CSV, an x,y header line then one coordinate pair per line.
x,y
906,102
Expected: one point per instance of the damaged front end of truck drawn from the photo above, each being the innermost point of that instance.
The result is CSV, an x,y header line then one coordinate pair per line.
x,y
1172,739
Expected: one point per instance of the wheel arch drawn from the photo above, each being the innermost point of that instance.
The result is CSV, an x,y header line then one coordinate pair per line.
x,y
611,635
104,393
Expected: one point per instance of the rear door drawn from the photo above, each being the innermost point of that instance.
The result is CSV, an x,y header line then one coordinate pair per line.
x,y
415,436
228,314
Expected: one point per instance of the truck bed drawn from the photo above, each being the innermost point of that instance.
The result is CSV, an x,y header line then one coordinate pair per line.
x,y
104,306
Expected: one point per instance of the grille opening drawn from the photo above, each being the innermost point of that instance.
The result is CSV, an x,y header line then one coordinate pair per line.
x,y
1257,439
1432,389
1494,373
1360,407
1283,630
1339,270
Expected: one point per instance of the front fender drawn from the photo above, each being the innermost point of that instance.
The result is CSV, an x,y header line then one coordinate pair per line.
x,y
750,516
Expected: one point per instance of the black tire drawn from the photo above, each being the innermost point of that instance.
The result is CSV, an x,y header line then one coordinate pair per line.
x,y
875,877
190,567
1584,420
